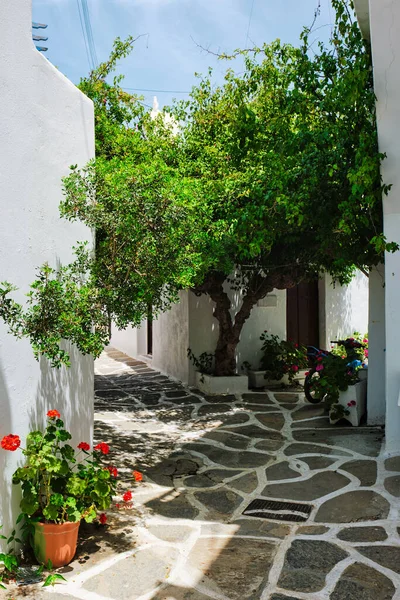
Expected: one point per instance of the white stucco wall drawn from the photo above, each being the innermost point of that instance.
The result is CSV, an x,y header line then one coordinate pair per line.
x,y
385,40
377,348
132,341
171,340
46,124
342,309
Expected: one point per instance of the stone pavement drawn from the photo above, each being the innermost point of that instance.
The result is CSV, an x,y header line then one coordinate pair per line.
x,y
204,460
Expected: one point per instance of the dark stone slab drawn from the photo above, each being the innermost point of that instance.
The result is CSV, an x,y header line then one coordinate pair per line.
x,y
261,527
320,423
178,507
387,556
256,398
113,393
258,408
227,458
236,419
237,567
392,485
247,483
270,445
366,441
176,393
393,464
273,421
307,563
362,534
318,462
297,449
211,409
360,582
222,501
317,486
312,530
309,411
210,478
365,470
254,432
288,398
353,507
228,439
185,400
282,597
220,398
281,470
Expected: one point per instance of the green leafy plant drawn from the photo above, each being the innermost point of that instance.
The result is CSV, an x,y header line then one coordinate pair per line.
x,y
281,357
335,372
60,484
204,363
359,353
8,559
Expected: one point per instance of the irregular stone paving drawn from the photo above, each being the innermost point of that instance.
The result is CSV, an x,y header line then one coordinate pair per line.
x,y
204,459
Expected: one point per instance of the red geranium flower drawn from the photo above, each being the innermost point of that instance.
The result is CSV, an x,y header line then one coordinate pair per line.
x,y
112,470
352,403
10,442
103,448
295,368
53,414
137,476
103,518
127,496
320,358
83,446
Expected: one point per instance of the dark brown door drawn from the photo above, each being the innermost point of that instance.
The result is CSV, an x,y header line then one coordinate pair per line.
x,y
302,318
150,331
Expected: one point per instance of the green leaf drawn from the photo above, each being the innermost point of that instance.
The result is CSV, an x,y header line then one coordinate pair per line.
x,y
52,579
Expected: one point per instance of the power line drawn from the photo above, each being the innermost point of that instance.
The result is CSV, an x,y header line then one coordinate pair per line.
x,y
88,24
250,18
83,33
158,91
87,32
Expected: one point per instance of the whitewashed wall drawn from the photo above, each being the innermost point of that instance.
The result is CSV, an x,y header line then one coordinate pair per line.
x,y
385,40
342,309
132,341
171,340
46,124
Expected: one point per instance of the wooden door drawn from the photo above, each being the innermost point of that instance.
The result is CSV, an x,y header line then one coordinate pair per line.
x,y
302,315
150,331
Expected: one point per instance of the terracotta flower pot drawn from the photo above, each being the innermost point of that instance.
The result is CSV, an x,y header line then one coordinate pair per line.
x,y
56,542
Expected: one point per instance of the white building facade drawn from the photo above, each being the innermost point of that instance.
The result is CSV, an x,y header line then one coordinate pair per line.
x,y
46,124
338,312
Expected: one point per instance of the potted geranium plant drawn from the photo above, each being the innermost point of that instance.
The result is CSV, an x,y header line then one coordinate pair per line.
x,y
336,381
282,362
60,487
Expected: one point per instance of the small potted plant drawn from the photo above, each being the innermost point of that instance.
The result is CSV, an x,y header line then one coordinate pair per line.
x,y
336,381
281,363
60,487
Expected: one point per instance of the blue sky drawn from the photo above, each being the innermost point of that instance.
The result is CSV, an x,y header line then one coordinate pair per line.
x,y
167,58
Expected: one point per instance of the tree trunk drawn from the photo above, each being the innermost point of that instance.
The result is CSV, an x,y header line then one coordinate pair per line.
x,y
230,330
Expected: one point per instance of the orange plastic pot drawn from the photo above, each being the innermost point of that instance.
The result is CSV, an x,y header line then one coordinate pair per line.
x,y
55,542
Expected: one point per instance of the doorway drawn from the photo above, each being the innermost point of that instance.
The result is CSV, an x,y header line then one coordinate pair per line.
x,y
149,331
302,314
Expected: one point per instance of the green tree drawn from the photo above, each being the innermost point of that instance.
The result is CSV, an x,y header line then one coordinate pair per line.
x,y
288,159
273,177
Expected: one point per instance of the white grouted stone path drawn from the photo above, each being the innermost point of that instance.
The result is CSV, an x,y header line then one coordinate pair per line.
x,y
204,459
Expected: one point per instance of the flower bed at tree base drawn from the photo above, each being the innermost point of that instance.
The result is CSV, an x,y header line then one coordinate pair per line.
x,y
210,384
55,542
353,400
257,380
